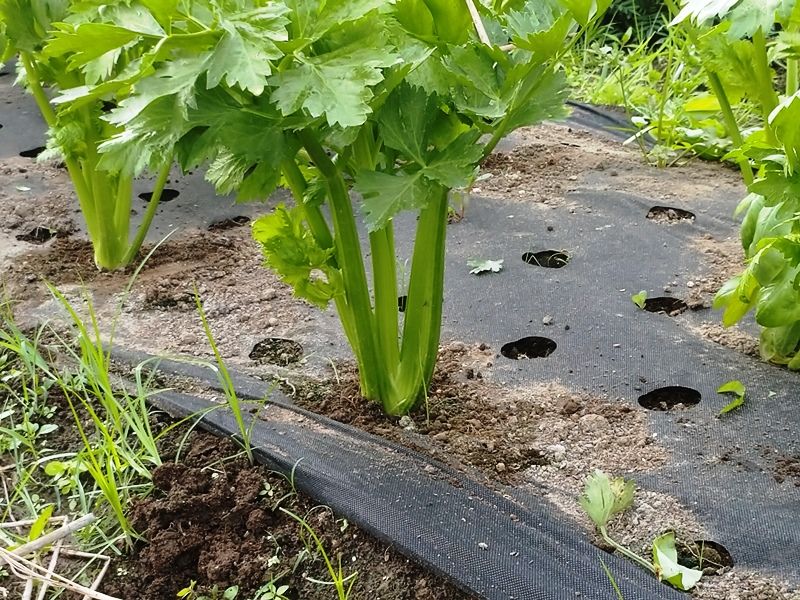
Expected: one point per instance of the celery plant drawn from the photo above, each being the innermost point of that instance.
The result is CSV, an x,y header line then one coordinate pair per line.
x,y
396,100
38,33
739,42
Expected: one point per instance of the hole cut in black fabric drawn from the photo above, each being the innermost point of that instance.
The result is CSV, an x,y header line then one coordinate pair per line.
x,y
276,351
167,195
670,397
37,235
706,555
230,223
529,347
669,214
665,304
549,259
32,152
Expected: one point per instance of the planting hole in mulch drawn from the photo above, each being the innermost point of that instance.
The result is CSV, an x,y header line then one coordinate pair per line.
x,y
32,152
231,223
167,195
276,351
670,398
529,347
37,235
665,304
402,301
705,555
668,214
549,259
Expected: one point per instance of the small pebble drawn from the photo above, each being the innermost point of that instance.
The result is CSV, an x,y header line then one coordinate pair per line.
x,y
548,320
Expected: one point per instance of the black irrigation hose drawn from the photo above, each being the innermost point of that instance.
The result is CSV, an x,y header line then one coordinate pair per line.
x,y
498,546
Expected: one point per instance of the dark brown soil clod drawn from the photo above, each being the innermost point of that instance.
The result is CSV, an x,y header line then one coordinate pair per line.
x,y
673,397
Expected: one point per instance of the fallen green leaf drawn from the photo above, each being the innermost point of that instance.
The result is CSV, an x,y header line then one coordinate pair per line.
x,y
485,266
665,560
736,388
639,299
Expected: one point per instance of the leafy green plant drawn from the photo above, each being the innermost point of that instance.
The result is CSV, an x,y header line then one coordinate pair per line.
x,y
397,101
271,591
639,299
737,390
603,498
739,42
54,59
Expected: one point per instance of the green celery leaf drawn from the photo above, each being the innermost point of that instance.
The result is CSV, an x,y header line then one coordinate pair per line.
x,y
451,20
405,120
779,303
336,84
784,120
290,250
134,18
748,16
386,195
239,62
177,77
148,140
25,23
584,11
455,166
87,42
541,95
243,54
479,82
311,19
665,561
540,28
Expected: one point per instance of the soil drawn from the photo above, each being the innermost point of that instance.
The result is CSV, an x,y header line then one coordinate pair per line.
x,y
498,431
245,539
550,160
730,337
